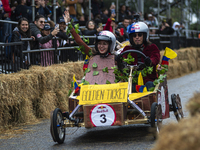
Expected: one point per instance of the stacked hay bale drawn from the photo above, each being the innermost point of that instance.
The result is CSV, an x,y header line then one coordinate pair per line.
x,y
186,134
187,60
34,93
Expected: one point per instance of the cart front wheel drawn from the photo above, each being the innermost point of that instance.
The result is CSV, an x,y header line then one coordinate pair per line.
x,y
156,117
58,130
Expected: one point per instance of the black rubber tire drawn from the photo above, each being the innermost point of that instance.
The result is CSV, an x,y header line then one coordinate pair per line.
x,y
51,126
58,122
174,105
153,114
156,113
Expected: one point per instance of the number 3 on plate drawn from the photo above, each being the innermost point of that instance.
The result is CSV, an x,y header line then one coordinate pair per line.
x,y
103,117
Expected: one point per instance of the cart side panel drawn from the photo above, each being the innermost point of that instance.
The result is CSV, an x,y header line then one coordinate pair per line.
x,y
144,103
162,98
118,107
72,104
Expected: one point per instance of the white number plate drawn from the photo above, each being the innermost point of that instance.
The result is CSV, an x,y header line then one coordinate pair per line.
x,y
102,115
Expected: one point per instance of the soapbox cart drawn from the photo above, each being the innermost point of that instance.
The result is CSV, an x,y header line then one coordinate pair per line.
x,y
114,104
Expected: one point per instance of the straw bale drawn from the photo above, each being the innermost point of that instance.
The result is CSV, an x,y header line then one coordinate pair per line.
x,y
34,93
183,54
173,71
192,65
183,67
194,104
198,52
198,63
184,135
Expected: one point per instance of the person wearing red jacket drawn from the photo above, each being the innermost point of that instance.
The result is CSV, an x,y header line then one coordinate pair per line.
x,y
110,23
138,37
7,27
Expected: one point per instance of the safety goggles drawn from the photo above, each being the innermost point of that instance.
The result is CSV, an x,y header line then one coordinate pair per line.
x,y
137,34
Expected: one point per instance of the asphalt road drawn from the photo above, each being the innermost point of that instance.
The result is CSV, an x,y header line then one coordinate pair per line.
x,y
137,137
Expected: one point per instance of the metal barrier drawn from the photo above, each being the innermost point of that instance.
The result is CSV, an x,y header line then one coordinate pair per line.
x,y
10,59
174,42
14,59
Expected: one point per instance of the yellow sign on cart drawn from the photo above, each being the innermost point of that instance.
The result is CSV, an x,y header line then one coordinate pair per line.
x,y
103,93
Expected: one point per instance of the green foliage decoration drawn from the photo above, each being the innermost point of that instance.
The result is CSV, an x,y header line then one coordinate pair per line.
x,y
105,69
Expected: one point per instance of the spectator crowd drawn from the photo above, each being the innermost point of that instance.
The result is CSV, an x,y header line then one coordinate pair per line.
x,y
44,28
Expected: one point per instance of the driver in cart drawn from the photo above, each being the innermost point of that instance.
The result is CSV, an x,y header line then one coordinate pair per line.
x,y
139,40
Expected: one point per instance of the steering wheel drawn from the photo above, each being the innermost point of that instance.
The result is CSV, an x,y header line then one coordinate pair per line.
x,y
121,64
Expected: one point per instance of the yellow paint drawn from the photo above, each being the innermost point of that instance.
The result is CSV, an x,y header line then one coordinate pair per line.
x,y
140,79
134,96
125,44
103,93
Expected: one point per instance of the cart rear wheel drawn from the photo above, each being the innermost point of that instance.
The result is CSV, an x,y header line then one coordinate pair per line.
x,y
177,106
156,117
57,126
51,126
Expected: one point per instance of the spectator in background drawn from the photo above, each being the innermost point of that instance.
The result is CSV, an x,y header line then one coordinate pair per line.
x,y
110,23
58,10
128,12
104,15
22,31
112,9
29,10
165,29
47,57
21,10
41,8
97,19
86,9
177,28
92,30
62,33
63,54
79,9
122,13
82,21
152,21
35,31
72,10
96,7
7,27
122,28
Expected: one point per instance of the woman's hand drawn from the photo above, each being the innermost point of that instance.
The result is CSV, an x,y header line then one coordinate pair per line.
x,y
99,29
66,16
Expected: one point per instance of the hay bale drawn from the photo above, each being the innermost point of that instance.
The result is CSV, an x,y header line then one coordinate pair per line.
x,y
194,104
183,67
34,93
182,136
173,71
183,54
198,52
192,65
198,63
